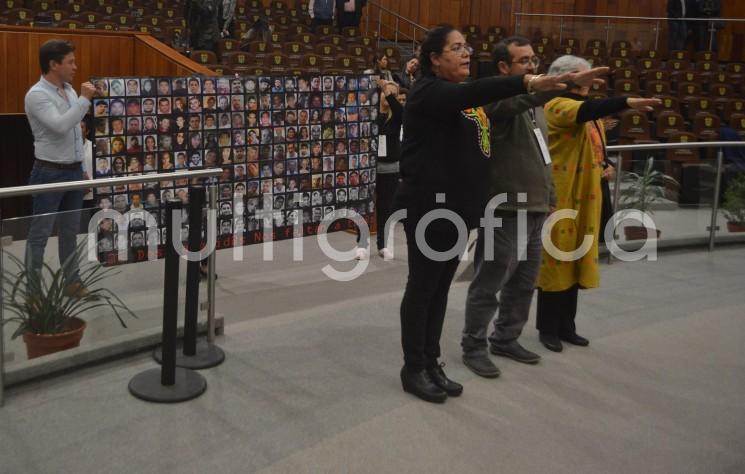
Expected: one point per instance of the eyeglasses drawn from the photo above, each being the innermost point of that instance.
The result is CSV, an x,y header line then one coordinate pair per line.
x,y
535,61
458,48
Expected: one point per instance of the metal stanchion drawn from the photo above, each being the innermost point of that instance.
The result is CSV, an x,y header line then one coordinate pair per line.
x,y
616,194
169,384
202,355
713,228
2,335
211,275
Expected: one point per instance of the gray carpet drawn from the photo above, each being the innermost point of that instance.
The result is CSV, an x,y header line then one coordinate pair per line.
x,y
311,385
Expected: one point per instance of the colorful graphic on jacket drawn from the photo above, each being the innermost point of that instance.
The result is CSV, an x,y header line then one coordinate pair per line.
x,y
478,116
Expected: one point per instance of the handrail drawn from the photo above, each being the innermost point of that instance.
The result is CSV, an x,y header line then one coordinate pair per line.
x,y
673,146
614,17
15,191
398,18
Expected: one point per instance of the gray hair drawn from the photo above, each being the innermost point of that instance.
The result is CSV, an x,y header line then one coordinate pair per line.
x,y
567,63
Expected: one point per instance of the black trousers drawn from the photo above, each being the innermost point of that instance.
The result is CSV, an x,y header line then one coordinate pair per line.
x,y
556,310
385,188
426,296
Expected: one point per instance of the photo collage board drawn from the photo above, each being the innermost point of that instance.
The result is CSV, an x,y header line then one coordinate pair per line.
x,y
290,148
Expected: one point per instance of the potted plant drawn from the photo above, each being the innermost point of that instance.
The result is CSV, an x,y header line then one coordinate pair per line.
x,y
733,204
48,316
643,190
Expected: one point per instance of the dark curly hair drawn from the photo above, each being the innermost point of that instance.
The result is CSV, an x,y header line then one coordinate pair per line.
x,y
434,42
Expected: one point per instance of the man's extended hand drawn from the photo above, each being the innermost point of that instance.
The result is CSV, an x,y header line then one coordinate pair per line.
x,y
87,90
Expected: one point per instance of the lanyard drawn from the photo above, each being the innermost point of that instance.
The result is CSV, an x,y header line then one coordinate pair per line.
x,y
531,112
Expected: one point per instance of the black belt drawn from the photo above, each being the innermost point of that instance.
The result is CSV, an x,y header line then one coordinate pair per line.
x,y
59,166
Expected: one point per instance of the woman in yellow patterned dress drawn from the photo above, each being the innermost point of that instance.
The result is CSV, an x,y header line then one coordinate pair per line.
x,y
577,145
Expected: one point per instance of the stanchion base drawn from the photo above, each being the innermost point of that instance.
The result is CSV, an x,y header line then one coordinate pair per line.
x,y
146,386
208,355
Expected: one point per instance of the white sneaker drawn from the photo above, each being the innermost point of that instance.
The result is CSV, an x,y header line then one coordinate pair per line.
x,y
361,254
386,254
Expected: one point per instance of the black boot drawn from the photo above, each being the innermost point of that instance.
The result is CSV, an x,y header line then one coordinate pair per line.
x,y
438,376
551,342
420,384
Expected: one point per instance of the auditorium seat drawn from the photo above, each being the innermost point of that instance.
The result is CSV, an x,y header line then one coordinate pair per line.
x,y
676,158
324,30
595,52
572,42
626,73
595,43
736,71
657,88
687,75
688,89
20,16
220,69
707,68
71,24
669,104
311,62
737,121
695,106
276,62
237,58
626,87
706,126
346,64
618,63
626,53
667,123
648,64
227,45
653,54
634,125
679,55
733,107
700,56
74,9
654,75
472,29
676,64
41,5
203,56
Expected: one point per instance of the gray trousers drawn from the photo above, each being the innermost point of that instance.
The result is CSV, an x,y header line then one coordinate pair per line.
x,y
510,274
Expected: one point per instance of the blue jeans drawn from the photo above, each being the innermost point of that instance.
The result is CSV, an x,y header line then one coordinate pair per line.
x,y
45,209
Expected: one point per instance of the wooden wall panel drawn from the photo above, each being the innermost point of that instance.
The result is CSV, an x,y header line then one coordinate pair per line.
x,y
486,13
98,53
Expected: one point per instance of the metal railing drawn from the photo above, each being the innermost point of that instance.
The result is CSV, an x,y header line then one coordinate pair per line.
x,y
657,21
87,184
396,28
673,146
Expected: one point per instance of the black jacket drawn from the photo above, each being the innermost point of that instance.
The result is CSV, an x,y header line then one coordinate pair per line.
x,y
446,147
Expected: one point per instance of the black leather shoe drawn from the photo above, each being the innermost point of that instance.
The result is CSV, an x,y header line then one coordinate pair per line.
x,y
421,385
514,351
482,366
575,339
438,376
551,342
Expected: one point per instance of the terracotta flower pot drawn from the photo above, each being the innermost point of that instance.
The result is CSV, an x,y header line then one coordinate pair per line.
x,y
736,226
38,345
637,232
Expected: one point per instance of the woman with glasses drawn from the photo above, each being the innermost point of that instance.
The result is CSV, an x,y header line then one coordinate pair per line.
x,y
444,168
576,138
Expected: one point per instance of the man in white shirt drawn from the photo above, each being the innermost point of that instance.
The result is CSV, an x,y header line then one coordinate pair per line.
x,y
54,112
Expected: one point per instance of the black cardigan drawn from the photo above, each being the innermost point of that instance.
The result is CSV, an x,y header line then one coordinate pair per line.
x,y
446,147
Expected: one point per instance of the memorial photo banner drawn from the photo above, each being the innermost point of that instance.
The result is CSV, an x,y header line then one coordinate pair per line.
x,y
290,147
